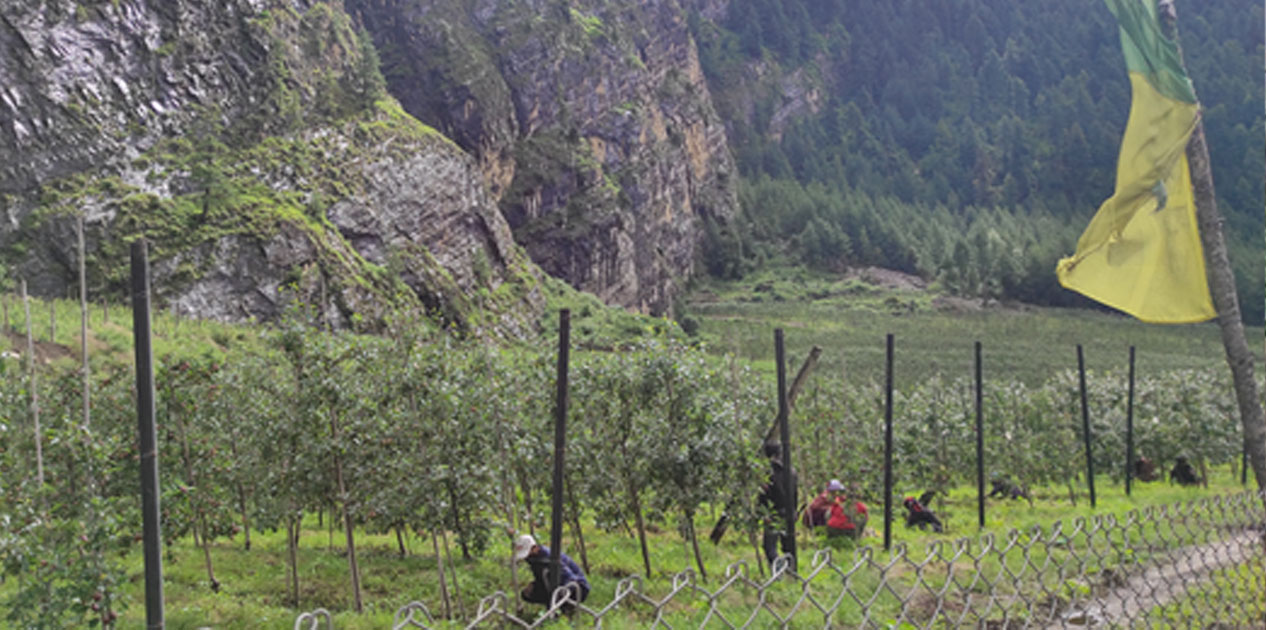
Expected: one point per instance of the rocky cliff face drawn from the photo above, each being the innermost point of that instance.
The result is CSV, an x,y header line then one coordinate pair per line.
x,y
251,142
591,123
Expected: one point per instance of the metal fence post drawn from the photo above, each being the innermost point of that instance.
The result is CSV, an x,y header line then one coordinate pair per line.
x,y
560,449
1129,428
888,448
148,438
980,441
1085,424
784,434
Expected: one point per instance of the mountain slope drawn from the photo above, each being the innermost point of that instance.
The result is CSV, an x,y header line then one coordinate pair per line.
x,y
252,142
591,122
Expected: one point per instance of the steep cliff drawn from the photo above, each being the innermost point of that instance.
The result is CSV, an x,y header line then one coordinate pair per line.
x,y
591,122
252,143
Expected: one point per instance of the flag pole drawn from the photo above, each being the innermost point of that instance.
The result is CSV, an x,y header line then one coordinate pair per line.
x,y
1222,280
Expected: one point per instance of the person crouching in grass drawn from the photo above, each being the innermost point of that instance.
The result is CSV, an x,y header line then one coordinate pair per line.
x,y
848,516
538,558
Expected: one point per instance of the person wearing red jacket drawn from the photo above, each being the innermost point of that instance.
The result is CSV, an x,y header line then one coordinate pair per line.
x,y
848,517
819,509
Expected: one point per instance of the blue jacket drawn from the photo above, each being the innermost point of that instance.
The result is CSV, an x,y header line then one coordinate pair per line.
x,y
539,563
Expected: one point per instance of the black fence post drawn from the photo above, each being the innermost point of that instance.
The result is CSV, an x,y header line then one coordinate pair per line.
x,y
1085,424
152,532
888,448
1129,428
784,434
560,449
980,440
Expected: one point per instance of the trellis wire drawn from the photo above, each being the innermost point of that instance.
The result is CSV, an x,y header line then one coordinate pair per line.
x,y
1091,572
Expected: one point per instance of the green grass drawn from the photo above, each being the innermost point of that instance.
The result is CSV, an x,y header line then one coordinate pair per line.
x,y
1234,595
849,319
254,582
110,332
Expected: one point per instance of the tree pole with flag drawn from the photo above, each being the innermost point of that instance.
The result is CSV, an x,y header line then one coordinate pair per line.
x,y
1155,248
1222,282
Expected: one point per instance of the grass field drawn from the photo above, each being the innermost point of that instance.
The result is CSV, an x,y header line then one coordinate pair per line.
x,y
254,582
849,319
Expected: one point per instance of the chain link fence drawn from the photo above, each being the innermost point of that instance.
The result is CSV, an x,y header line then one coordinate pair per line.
x,y
1192,565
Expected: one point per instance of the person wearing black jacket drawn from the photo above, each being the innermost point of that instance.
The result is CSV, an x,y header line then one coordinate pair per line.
x,y
538,558
773,497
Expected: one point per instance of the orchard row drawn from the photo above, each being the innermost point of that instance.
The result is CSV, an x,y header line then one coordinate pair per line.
x,y
422,432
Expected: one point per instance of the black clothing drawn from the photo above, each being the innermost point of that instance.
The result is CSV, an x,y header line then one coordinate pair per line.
x,y
1183,473
921,517
774,496
1003,488
572,577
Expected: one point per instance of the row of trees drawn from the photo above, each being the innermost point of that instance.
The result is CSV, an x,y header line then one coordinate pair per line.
x,y
1033,434
978,252
421,432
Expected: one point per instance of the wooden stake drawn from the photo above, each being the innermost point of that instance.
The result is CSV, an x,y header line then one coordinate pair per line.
x,y
83,325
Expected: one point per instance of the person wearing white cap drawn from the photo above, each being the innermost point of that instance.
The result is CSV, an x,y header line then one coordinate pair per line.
x,y
538,557
818,510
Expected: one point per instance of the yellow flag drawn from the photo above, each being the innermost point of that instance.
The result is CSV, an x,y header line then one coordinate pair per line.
x,y
1141,252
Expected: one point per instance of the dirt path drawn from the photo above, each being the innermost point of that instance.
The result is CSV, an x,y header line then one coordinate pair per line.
x,y
1161,584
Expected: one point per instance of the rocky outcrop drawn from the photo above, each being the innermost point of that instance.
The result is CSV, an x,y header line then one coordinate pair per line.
x,y
251,142
591,122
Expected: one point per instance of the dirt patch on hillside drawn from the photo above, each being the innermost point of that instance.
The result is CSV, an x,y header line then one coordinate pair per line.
x,y
45,352
887,278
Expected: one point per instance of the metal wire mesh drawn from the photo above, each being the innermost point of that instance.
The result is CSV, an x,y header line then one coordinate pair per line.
x,y
1197,564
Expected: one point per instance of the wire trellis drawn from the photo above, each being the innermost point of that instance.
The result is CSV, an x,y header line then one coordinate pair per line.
x,y
1184,565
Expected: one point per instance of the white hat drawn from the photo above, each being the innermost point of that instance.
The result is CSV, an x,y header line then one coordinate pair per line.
x,y
523,546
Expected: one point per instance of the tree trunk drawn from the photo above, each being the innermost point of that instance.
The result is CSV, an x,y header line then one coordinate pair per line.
x,y
457,521
527,504
246,523
292,547
35,396
510,505
760,553
1222,287
439,567
694,542
1072,493
196,505
452,573
206,554
641,528
400,541
347,518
